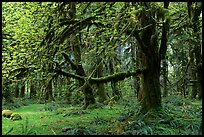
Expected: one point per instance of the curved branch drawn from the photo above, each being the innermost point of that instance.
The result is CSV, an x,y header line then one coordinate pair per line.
x,y
76,27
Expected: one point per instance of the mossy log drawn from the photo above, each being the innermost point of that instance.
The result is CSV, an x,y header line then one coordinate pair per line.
x,y
7,113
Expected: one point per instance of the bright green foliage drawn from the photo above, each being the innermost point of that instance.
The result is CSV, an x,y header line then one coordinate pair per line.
x,y
108,120
37,35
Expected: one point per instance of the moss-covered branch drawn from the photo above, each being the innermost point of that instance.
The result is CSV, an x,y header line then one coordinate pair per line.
x,y
115,77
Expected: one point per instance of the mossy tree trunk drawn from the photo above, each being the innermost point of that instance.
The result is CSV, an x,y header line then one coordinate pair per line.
x,y
197,50
163,48
73,42
148,40
48,92
194,11
100,86
151,94
86,88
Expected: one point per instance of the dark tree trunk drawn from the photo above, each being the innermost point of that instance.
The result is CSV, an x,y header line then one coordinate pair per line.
x,y
77,66
163,49
165,77
6,94
60,85
22,91
151,92
48,92
16,92
33,92
195,52
87,89
151,87
198,56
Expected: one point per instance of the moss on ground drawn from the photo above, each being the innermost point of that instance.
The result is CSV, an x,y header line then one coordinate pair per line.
x,y
175,118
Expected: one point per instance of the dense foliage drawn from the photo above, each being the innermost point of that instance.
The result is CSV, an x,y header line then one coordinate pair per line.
x,y
101,53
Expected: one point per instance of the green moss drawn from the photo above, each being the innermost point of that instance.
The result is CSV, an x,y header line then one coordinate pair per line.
x,y
15,116
6,113
104,120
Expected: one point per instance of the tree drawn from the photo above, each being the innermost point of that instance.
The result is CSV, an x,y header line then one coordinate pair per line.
x,y
51,43
194,11
148,40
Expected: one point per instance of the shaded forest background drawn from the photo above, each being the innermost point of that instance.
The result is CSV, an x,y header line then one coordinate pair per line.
x,y
89,52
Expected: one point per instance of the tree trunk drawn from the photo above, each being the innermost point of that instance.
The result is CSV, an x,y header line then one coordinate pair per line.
x,y
48,92
22,91
6,94
16,92
87,90
33,92
100,86
198,56
194,11
165,77
151,87
151,92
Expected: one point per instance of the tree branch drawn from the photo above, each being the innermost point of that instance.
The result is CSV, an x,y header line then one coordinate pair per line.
x,y
115,77
73,65
165,29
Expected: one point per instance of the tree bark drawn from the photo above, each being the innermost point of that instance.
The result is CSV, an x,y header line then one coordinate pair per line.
x,y
48,92
22,91
163,49
16,92
100,86
6,94
165,77
151,92
195,12
87,89
33,92
198,56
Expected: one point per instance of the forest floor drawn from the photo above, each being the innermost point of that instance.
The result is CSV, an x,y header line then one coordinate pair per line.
x,y
179,116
